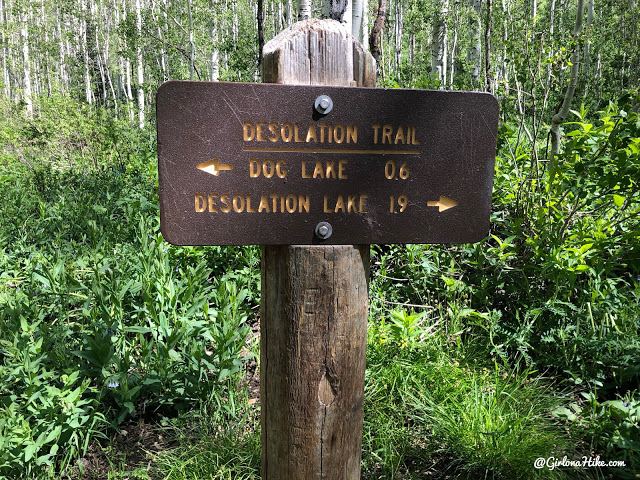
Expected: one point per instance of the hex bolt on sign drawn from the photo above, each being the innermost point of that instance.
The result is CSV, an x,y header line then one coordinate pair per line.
x,y
323,104
323,230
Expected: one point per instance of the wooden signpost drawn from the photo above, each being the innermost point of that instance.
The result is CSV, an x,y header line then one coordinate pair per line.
x,y
315,172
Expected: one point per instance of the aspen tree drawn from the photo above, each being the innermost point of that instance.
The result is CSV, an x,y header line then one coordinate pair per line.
x,y
139,65
26,64
439,43
560,117
475,47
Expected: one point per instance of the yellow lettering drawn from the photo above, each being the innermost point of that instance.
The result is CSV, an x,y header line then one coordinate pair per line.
x,y
375,132
326,208
363,203
291,203
225,199
303,202
339,204
286,137
297,137
248,131
238,203
264,204
267,168
311,134
415,141
212,203
318,172
200,202
386,133
352,133
274,200
273,128
351,203
260,131
281,171
331,173
322,127
338,133
330,133
249,209
254,168
304,171
399,136
342,164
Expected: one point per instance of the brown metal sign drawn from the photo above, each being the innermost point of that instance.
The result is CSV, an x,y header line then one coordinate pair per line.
x,y
251,164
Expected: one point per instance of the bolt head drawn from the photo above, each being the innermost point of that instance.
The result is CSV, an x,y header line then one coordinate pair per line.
x,y
323,230
323,104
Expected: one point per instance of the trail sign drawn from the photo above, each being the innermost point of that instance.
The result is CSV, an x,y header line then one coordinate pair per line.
x,y
245,164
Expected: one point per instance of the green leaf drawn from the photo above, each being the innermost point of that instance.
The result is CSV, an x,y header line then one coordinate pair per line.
x,y
618,200
29,452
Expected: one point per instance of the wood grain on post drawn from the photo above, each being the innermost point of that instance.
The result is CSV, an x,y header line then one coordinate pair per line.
x,y
314,300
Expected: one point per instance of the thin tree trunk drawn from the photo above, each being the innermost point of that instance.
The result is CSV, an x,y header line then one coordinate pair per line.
x,y
587,49
560,117
439,44
487,51
374,38
5,51
26,63
139,66
214,55
289,12
260,31
192,50
398,33
475,47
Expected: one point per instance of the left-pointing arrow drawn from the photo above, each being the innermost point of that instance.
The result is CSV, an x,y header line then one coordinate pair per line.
x,y
214,167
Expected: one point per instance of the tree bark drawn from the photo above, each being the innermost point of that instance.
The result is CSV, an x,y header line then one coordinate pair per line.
x,y
374,38
487,51
260,18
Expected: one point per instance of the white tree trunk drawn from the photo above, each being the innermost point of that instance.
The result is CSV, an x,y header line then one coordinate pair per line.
x,y
398,33
289,13
5,51
62,69
439,44
357,15
214,55
26,62
139,65
475,46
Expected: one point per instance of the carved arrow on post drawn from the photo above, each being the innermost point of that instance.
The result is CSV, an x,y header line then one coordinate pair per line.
x,y
214,167
445,203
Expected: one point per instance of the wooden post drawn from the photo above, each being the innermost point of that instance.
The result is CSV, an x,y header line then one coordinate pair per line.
x,y
314,300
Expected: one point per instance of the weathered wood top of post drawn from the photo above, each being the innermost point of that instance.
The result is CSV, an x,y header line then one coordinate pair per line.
x,y
318,52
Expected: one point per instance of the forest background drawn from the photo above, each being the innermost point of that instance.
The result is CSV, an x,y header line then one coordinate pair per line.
x,y
122,356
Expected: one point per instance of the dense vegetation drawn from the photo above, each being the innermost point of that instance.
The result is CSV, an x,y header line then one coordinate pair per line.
x,y
481,358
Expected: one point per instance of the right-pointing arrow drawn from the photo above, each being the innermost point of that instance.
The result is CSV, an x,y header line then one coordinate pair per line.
x,y
445,203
